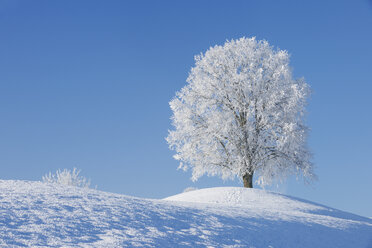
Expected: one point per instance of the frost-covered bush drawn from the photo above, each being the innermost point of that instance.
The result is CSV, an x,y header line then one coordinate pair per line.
x,y
188,189
67,177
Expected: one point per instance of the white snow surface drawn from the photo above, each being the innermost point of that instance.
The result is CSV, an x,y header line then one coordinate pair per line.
x,y
36,214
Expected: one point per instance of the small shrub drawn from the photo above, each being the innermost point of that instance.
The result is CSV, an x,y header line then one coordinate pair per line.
x,y
67,177
189,189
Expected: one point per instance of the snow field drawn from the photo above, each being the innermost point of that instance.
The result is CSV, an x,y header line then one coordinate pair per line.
x,y
35,214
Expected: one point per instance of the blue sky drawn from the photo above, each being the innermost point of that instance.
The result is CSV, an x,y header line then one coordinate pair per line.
x,y
86,84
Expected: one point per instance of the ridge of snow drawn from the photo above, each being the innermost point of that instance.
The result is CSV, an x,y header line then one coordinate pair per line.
x,y
246,198
49,215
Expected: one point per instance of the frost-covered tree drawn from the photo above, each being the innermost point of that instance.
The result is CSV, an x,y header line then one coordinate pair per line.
x,y
240,113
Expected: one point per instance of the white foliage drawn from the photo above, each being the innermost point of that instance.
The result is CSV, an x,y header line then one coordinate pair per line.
x,y
67,177
241,112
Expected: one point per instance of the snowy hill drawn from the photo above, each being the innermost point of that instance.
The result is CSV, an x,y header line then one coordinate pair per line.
x,y
38,215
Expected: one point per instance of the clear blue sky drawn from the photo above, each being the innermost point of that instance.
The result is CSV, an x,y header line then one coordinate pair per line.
x,y
86,84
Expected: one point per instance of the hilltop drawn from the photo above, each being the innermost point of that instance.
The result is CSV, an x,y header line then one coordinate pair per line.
x,y
39,214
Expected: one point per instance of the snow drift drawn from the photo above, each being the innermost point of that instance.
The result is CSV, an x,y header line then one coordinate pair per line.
x,y
38,214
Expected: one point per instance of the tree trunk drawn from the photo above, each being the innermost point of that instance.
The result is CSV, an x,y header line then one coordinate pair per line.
x,y
248,180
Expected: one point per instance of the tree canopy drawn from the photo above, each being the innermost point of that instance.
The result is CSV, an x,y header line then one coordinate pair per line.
x,y
240,113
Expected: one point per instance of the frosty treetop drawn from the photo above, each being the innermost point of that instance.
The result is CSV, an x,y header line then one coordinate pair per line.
x,y
241,112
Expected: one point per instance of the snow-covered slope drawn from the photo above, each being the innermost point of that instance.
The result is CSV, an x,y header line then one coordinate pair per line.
x,y
36,214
